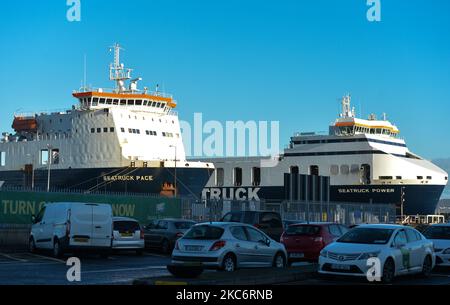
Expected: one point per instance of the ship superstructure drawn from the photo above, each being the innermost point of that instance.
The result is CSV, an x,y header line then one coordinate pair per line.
x,y
365,159
120,139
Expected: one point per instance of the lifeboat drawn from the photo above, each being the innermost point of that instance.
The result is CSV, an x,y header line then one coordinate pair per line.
x,y
24,124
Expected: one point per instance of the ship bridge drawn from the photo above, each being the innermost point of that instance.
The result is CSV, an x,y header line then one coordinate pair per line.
x,y
123,96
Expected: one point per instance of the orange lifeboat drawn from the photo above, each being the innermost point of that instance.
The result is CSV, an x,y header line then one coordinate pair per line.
x,y
24,124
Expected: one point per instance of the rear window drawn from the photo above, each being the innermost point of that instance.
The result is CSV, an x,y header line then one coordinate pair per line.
x,y
437,232
183,225
303,230
204,233
126,226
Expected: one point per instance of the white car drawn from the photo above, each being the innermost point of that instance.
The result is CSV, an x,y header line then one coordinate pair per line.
x,y
67,226
401,250
127,235
439,234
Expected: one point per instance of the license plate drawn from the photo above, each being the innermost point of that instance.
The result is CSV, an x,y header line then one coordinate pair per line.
x,y
126,234
193,248
297,255
340,267
81,240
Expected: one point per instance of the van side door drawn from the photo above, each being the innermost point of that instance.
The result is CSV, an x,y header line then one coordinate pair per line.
x,y
101,225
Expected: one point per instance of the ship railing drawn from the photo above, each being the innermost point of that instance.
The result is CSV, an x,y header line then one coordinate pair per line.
x,y
75,191
113,90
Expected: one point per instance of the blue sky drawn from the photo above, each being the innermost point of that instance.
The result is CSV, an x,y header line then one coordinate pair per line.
x,y
242,60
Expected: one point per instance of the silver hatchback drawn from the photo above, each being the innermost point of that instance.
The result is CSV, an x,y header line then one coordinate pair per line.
x,y
127,235
227,246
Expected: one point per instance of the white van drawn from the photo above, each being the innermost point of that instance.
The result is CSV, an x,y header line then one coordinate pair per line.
x,y
68,226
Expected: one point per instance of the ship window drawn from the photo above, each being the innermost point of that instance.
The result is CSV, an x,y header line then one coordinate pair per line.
x,y
153,104
130,102
130,130
158,104
122,129
145,164
102,101
111,129
138,102
116,102
138,131
99,130
256,176
95,101
92,130
334,170
154,133
220,176
123,102
354,169
133,164
105,129
294,170
446,178
163,105
345,170
55,156
419,177
398,177
429,177
2,158
314,170
147,132
109,101
145,103
44,157
385,177
237,176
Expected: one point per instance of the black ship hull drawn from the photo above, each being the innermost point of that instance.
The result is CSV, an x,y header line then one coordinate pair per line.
x,y
146,180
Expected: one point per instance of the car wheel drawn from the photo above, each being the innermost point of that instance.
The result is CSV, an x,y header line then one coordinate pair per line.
x,y
427,267
388,272
229,263
165,246
279,261
57,251
32,245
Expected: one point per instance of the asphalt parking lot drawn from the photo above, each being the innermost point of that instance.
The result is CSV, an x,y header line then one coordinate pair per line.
x,y
22,268
41,269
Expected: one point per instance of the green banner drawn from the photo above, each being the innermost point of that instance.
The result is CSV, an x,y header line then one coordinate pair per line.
x,y
18,207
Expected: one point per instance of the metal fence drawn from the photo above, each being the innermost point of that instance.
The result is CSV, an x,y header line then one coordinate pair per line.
x,y
339,212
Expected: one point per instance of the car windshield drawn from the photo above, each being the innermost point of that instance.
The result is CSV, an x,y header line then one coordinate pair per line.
x,y
204,232
437,232
303,230
367,236
123,226
183,225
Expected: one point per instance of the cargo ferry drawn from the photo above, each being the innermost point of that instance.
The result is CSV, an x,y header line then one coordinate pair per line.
x,y
366,160
117,140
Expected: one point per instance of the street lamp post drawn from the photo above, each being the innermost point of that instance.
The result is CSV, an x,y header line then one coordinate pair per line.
x,y
175,170
49,162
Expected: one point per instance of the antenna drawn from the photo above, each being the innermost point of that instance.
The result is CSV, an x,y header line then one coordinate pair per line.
x,y
84,73
117,71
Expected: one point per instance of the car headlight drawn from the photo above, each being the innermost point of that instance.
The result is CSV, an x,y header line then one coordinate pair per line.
x,y
369,255
324,253
446,251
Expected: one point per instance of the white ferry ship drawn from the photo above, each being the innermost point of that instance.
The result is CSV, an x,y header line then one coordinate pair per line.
x,y
365,159
118,140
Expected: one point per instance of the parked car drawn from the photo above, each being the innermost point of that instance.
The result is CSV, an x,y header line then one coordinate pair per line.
x,y
439,234
66,226
127,235
226,246
162,234
304,242
267,221
287,223
400,249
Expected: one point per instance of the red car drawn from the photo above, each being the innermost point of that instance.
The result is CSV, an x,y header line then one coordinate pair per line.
x,y
304,241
